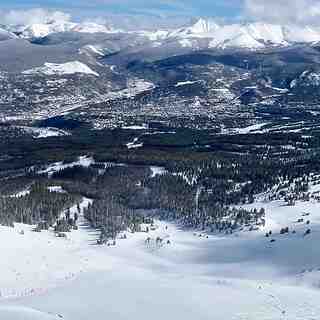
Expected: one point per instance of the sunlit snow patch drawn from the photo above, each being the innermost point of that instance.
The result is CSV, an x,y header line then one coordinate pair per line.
x,y
157,171
57,189
136,127
72,67
83,161
255,128
21,194
39,133
134,144
184,83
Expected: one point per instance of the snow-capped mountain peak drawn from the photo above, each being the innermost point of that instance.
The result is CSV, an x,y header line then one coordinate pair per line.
x,y
40,30
301,34
255,35
266,33
91,27
203,33
203,26
201,29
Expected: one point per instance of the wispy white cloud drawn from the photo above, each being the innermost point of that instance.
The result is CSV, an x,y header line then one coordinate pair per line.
x,y
284,11
32,16
158,13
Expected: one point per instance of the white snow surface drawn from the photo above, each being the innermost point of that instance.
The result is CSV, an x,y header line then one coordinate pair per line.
x,y
306,79
40,30
234,36
184,83
21,193
136,127
39,133
6,35
204,26
92,27
135,144
239,277
134,87
186,43
84,161
300,34
22,313
95,49
35,262
155,35
57,189
72,67
255,128
157,171
254,35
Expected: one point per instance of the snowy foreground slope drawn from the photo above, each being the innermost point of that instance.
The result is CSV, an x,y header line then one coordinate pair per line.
x,y
242,276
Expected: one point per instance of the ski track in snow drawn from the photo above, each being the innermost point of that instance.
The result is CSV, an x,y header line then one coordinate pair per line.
x,y
238,277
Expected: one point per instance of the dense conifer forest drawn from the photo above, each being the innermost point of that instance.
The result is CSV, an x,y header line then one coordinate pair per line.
x,y
196,178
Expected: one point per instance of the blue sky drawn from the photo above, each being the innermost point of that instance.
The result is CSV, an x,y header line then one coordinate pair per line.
x,y
278,11
220,8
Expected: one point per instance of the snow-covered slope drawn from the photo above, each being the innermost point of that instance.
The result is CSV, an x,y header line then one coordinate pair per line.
x,y
61,69
40,30
266,33
39,133
300,34
234,36
203,26
194,276
21,313
94,49
259,35
91,27
6,35
255,35
307,79
155,35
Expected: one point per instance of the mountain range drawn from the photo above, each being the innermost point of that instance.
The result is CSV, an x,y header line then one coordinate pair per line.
x,y
52,68
255,35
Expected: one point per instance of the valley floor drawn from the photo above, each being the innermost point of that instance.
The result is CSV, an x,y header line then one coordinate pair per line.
x,y
242,276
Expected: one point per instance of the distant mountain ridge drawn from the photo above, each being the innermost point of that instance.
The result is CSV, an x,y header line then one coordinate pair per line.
x,y
6,35
41,30
253,36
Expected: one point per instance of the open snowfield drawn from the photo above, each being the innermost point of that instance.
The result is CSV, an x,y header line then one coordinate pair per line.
x,y
225,277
